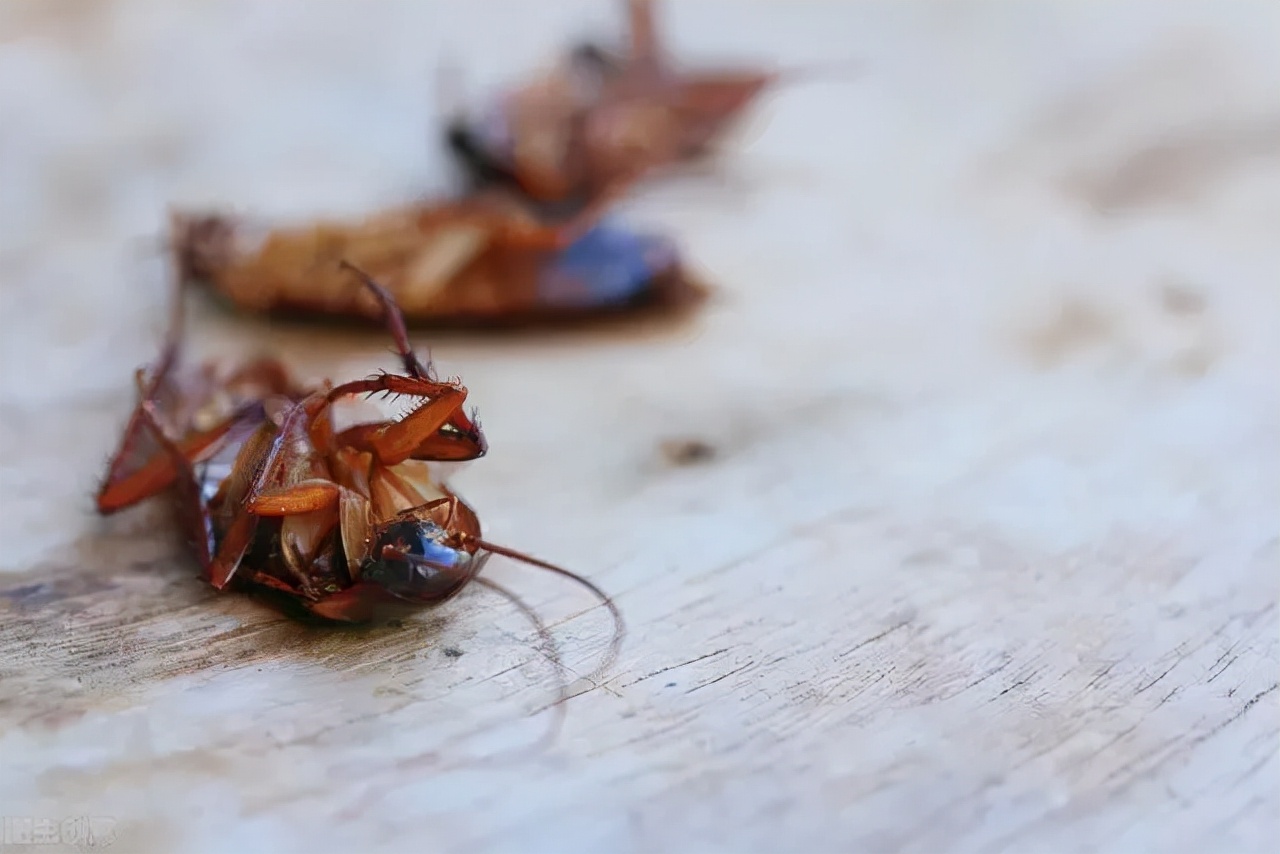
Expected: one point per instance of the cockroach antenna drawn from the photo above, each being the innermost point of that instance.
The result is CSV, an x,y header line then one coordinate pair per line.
x,y
620,629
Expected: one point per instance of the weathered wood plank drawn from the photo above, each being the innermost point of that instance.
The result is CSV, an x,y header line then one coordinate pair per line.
x,y
985,555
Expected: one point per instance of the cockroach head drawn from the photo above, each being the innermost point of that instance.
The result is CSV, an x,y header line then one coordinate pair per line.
x,y
418,560
481,157
200,243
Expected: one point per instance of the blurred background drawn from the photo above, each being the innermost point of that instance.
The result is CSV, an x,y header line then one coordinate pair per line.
x,y
983,552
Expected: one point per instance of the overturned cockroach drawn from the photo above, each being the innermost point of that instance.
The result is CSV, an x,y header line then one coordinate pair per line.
x,y
600,120
349,524
481,260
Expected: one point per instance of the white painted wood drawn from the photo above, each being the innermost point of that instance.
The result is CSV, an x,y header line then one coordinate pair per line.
x,y
985,560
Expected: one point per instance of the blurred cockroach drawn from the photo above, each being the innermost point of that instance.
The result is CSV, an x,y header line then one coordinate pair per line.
x,y
352,524
480,260
601,120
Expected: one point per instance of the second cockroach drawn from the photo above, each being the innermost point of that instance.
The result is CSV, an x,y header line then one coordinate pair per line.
x,y
481,260
601,120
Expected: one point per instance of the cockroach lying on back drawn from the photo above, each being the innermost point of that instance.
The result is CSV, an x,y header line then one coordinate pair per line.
x,y
601,120
349,524
480,260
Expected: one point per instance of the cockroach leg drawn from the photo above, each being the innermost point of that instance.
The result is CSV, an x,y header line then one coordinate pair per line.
x,y
157,472
465,440
391,384
240,531
645,50
394,321
419,434
142,382
197,520
114,494
453,511
439,430
424,512
275,584
306,496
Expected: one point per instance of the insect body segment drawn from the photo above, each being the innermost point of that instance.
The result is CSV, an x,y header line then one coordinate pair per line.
x,y
352,525
412,559
480,261
601,119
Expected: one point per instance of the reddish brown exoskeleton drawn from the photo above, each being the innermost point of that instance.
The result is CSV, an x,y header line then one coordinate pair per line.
x,y
350,524
600,121
481,260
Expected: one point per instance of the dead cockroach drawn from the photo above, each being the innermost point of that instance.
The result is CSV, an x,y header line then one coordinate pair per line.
x,y
349,524
481,260
599,120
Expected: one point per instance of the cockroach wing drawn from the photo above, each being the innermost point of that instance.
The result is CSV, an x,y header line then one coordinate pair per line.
x,y
448,250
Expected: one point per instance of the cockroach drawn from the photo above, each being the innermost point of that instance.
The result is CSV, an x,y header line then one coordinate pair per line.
x,y
477,260
601,120
345,525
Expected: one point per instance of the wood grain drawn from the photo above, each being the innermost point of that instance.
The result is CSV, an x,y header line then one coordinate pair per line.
x,y
978,551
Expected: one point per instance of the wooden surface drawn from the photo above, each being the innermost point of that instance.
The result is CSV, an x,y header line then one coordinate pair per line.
x,y
985,558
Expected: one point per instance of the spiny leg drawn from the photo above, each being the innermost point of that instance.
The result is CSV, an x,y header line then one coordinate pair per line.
x,y
392,384
450,501
238,524
393,319
109,496
420,383
261,456
307,496
191,503
421,435
159,470
439,430
417,435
